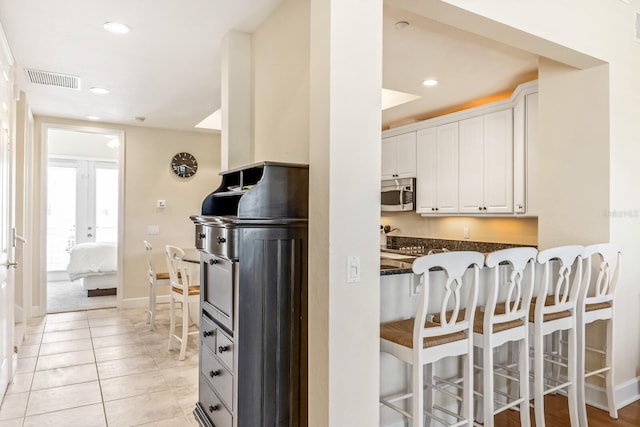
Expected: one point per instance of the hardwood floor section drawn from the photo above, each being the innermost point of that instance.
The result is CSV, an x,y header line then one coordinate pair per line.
x,y
557,415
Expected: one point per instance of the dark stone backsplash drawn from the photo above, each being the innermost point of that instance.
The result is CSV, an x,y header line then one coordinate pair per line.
x,y
419,245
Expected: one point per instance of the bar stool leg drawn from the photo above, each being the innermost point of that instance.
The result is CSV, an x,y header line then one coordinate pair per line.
x,y
571,374
172,322
523,365
613,411
185,328
538,361
418,394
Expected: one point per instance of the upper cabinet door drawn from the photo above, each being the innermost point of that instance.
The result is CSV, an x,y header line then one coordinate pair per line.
x,y
437,181
389,158
399,156
447,168
426,171
471,166
498,162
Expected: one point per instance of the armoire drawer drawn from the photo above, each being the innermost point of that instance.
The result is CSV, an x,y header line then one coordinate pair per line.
x,y
224,349
213,406
218,376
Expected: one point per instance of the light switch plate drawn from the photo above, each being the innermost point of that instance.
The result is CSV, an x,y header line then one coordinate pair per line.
x,y
353,269
153,229
161,204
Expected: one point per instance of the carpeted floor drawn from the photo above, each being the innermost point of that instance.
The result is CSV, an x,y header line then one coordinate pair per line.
x,y
69,296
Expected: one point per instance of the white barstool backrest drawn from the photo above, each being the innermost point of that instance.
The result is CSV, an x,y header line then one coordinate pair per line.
x,y
178,273
561,279
454,265
151,272
517,263
600,287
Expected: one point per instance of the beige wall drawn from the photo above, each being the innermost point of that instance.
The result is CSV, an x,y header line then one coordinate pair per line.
x,y
498,230
281,84
148,178
574,154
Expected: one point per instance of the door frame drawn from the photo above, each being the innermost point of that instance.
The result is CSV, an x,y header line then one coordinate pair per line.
x,y
44,160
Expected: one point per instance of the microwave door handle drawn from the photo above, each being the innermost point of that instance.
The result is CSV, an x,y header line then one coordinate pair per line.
x,y
401,193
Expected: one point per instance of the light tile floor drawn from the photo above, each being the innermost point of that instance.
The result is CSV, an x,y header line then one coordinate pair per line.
x,y
101,368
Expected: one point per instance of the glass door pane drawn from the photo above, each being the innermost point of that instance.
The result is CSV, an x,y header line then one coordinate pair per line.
x,y
61,215
106,195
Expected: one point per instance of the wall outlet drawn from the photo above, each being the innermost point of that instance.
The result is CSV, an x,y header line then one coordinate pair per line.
x,y
153,229
161,204
466,232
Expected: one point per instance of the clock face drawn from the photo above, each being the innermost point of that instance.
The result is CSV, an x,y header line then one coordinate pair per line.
x,y
184,165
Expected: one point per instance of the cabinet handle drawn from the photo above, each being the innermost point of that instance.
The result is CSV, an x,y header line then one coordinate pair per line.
x,y
437,209
222,348
202,235
213,408
484,208
479,208
221,240
213,261
207,333
214,373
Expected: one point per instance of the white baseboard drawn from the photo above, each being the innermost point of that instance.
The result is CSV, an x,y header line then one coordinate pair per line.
x,y
142,301
627,392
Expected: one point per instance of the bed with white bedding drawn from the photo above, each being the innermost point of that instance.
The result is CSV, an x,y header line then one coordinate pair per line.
x,y
96,265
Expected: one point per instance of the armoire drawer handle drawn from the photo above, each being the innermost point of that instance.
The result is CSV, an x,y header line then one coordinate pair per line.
x,y
207,333
222,349
213,408
214,373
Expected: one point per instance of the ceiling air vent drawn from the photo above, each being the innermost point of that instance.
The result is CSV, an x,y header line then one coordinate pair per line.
x,y
53,79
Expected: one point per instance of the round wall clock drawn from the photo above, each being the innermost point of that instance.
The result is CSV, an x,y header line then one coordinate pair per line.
x,y
184,165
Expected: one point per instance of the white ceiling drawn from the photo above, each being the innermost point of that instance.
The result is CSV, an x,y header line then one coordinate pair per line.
x,y
168,68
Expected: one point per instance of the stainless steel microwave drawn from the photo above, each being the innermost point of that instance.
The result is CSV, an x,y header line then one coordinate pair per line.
x,y
398,195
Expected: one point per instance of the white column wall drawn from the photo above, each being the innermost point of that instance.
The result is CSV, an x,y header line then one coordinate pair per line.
x,y
345,120
236,138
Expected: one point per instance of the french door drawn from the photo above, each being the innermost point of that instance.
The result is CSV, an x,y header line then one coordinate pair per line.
x,y
82,206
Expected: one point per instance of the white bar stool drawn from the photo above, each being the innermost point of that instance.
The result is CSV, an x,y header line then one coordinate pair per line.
x,y
419,342
596,303
182,291
512,281
155,279
553,311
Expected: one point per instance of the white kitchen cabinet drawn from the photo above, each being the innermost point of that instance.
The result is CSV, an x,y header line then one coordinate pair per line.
x,y
399,156
437,170
525,168
486,164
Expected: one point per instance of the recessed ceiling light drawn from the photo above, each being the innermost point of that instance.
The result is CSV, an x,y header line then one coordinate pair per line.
x,y
93,118
116,27
401,25
430,82
100,90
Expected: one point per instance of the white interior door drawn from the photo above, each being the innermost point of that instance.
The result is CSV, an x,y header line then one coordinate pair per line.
x,y
6,261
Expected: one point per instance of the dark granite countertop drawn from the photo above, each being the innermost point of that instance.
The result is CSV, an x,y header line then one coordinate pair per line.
x,y
414,247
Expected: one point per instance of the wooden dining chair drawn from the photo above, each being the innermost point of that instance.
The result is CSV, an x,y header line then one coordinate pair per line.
x,y
183,292
420,342
155,279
